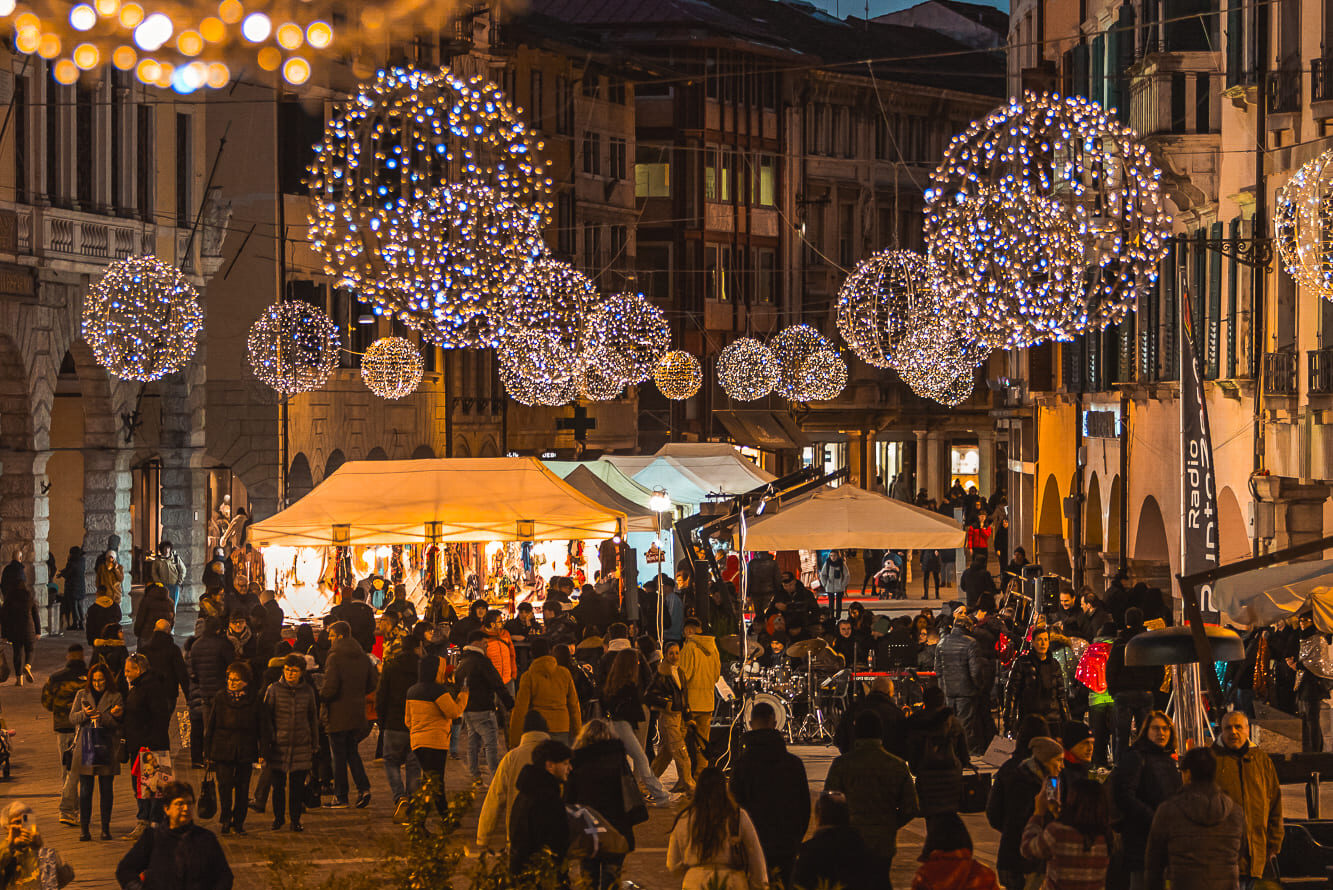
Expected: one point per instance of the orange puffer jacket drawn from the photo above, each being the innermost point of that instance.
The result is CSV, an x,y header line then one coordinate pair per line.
x,y
954,870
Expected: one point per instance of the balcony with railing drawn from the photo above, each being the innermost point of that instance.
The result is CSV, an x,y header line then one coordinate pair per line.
x,y
1280,373
1168,100
1321,80
1321,371
1284,89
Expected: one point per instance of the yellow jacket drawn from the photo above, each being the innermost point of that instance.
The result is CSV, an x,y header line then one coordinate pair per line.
x,y
548,689
702,666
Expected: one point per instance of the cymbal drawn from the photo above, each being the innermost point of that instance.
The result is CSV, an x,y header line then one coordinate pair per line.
x,y
806,647
731,644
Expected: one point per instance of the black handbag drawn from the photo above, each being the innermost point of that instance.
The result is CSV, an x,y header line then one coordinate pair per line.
x,y
631,798
976,789
208,796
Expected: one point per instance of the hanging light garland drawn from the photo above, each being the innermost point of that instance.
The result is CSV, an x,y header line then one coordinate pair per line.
x,y
188,46
600,385
427,195
392,367
878,299
678,375
293,347
803,354
1301,223
1045,220
747,370
142,319
626,337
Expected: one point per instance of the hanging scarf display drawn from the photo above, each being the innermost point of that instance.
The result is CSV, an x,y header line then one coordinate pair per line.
x,y
431,569
396,573
1261,675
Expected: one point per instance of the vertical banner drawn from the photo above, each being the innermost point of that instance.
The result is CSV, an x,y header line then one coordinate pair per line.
x,y
1198,519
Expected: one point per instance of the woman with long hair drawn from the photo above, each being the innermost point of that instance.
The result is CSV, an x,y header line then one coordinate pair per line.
x,y
96,713
622,701
1073,839
713,841
1146,776
595,781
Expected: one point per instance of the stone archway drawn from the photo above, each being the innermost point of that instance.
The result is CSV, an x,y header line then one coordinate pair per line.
x,y
423,452
489,448
24,444
1151,553
299,479
1093,536
377,453
1233,537
1052,553
335,460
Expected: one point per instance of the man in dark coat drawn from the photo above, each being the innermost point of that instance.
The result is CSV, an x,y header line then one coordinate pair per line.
x,y
770,783
209,656
155,605
358,615
892,720
165,657
397,675
762,581
178,854
538,821
1036,684
960,669
349,676
1196,835
463,628
267,620
57,696
481,728
977,581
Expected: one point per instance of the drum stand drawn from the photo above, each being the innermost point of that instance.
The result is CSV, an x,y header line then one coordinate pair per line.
x,y
812,728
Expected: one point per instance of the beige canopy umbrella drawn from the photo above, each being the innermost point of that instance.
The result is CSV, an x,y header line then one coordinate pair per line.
x,y
447,500
851,517
1264,596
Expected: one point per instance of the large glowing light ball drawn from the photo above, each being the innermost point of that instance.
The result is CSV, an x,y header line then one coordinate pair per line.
x,y
792,348
293,347
747,370
1303,224
427,194
878,300
142,319
678,375
392,367
1064,205
626,337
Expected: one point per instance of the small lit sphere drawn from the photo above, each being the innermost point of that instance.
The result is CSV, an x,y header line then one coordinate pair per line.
x,y
293,347
427,194
27,39
231,11
747,370
545,307
26,20
142,319
319,34
877,301
7,7
1045,220
822,376
792,347
104,7
153,31
269,58
626,337
82,17
49,46
599,385
218,75
131,14
256,27
525,385
124,58
65,72
392,367
86,56
538,368
678,375
190,43
1301,224
290,35
296,71
148,71
212,29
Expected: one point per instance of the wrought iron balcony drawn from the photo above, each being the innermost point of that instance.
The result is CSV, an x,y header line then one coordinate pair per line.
x,y
1284,90
1280,373
1321,370
1321,80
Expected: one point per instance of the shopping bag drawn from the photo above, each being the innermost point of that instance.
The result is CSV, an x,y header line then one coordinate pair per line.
x,y
97,746
208,796
591,836
976,790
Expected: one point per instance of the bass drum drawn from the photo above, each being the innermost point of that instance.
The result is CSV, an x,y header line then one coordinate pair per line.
x,y
778,704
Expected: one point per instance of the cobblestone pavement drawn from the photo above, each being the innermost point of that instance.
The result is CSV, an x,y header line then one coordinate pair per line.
x,y
341,840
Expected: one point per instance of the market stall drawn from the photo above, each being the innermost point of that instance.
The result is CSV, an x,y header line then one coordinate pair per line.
x,y
484,523
604,483
849,517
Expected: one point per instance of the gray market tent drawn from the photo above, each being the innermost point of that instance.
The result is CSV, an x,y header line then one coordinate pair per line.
x,y
851,517
1264,596
641,519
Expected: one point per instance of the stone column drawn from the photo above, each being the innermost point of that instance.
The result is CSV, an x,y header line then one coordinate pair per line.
x,y
107,482
936,477
24,517
183,523
986,464
922,464
1298,510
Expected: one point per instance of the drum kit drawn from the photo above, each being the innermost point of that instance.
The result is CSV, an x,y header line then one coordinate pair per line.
x,y
807,689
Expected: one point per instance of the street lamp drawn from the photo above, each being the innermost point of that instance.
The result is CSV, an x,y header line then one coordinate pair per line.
x,y
660,504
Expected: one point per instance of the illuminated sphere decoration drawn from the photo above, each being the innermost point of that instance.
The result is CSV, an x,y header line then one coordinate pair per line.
x,y
391,367
427,194
293,347
678,375
142,319
1303,224
878,300
1045,220
747,370
600,385
822,376
792,349
626,337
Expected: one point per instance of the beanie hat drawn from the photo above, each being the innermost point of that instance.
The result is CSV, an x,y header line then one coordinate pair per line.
x,y
1044,748
1074,733
881,625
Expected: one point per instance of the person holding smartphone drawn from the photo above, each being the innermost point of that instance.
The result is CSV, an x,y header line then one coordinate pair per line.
x,y
25,859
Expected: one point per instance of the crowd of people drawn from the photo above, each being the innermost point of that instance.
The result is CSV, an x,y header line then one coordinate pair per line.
x,y
570,710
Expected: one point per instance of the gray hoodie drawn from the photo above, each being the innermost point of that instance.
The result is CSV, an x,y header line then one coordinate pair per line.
x,y
1195,841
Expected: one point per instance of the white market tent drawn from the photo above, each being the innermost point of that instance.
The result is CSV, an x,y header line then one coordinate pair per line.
x,y
692,472
623,485
1266,596
851,517
377,502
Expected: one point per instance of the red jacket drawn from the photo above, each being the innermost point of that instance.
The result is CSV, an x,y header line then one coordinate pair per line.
x,y
954,870
978,538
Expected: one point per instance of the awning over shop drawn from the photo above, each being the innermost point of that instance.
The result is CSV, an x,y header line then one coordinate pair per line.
x,y
1264,596
769,430
691,473
623,485
450,500
846,517
641,519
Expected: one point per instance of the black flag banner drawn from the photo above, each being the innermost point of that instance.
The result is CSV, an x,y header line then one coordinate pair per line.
x,y
1198,536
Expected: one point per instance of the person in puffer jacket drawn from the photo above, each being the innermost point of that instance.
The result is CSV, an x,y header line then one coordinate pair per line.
x,y
290,733
433,704
1196,834
547,688
946,859
962,671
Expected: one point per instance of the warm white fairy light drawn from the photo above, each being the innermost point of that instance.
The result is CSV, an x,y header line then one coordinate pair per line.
x,y
142,319
626,337
293,347
1303,224
678,375
877,301
802,355
1045,220
600,385
823,376
427,195
391,367
747,370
